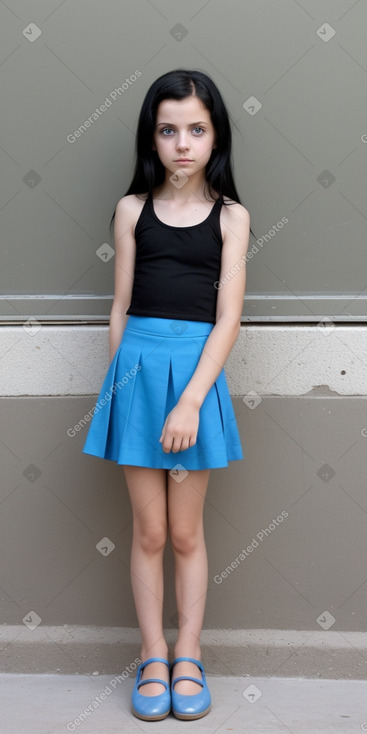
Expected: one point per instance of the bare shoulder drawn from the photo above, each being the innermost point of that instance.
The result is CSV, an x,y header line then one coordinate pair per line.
x,y
234,211
131,203
128,209
234,222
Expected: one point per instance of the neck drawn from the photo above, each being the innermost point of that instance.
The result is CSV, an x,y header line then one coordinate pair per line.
x,y
193,190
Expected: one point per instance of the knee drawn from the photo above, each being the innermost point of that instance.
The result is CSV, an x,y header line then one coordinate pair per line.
x,y
151,538
184,539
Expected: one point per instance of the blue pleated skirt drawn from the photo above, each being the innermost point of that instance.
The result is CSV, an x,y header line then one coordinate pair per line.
x,y
154,362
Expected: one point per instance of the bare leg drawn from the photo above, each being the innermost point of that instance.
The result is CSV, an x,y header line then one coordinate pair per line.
x,y
185,517
148,495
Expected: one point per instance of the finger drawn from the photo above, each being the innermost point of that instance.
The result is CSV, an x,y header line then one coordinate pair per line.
x,y
167,443
163,432
180,444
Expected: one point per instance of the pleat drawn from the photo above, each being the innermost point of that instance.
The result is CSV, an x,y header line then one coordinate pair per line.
x,y
210,436
98,430
209,449
143,417
184,355
120,418
159,381
231,438
171,394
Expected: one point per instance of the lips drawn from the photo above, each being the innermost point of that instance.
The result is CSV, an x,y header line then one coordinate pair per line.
x,y
183,160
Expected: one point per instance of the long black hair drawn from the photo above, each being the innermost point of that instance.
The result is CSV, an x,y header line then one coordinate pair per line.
x,y
180,84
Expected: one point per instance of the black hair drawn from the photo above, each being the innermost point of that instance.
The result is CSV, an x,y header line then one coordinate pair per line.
x,y
180,84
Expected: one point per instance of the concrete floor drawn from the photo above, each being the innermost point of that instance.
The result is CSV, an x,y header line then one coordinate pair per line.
x,y
51,704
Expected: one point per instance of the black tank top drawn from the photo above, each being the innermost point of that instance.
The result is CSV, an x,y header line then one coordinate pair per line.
x,y
176,268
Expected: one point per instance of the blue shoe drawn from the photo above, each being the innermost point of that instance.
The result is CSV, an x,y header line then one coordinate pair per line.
x,y
150,708
190,707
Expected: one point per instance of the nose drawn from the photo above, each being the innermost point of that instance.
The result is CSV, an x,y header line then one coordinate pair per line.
x,y
182,143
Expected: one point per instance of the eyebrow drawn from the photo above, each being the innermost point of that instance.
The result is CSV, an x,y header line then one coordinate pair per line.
x,y
201,122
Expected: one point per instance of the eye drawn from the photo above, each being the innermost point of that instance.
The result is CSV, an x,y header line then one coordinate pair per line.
x,y
164,130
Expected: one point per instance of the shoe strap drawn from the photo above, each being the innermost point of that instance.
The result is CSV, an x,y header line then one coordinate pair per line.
x,y
189,660
152,680
187,677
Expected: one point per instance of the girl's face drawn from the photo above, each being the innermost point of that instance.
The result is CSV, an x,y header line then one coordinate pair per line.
x,y
183,130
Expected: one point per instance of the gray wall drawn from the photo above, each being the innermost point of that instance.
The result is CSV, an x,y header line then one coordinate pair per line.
x,y
304,438
294,87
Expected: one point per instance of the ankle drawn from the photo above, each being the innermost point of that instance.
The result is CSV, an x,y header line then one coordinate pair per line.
x,y
187,650
154,651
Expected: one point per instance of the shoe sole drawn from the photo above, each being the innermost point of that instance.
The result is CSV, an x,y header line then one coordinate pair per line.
x,y
150,718
191,717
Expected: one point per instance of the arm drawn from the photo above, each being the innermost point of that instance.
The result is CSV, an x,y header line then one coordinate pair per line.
x,y
124,271
180,428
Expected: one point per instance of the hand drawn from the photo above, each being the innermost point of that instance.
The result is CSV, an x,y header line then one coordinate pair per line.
x,y
180,428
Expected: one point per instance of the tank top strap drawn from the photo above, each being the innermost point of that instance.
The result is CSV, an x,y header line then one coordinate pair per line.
x,y
216,210
219,203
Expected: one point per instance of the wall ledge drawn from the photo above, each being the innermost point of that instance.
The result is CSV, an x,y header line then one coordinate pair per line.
x,y
93,650
265,360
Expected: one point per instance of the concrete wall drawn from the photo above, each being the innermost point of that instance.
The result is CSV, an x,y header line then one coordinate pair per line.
x,y
295,507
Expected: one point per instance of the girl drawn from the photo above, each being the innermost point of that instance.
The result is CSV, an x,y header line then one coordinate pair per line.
x,y
164,410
